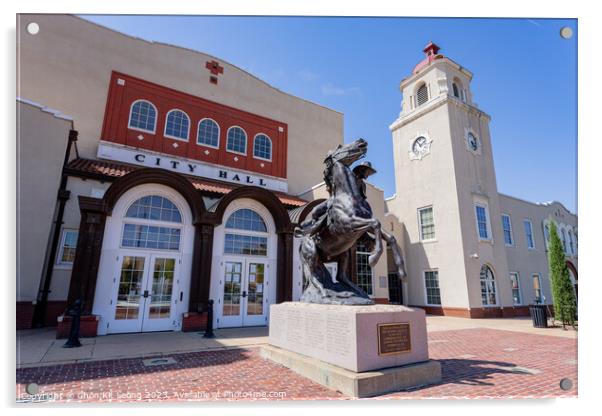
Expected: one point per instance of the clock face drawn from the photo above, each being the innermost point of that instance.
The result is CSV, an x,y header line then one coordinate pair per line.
x,y
419,145
472,142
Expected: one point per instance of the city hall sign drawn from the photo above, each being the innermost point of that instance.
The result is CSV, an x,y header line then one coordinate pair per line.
x,y
187,166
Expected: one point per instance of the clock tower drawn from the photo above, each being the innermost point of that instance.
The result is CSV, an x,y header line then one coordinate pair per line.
x,y
446,193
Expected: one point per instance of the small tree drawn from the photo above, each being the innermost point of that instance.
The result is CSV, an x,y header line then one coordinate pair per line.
x,y
565,305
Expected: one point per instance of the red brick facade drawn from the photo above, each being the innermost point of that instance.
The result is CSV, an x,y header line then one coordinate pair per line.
x,y
193,321
124,90
505,312
88,326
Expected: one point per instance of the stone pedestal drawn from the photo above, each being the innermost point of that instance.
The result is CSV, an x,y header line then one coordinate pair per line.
x,y
381,347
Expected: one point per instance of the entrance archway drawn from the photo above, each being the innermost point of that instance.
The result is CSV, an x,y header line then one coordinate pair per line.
x,y
245,255
144,274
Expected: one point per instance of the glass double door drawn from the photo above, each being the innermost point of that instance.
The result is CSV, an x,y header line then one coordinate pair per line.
x,y
244,299
144,295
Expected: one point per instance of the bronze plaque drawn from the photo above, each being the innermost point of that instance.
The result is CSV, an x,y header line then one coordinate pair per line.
x,y
394,338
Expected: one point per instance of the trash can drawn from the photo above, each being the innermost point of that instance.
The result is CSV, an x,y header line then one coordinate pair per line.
x,y
539,315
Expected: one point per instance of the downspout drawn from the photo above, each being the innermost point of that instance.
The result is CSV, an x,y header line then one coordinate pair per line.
x,y
39,313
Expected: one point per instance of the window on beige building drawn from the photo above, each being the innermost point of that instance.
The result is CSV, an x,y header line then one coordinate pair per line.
x,y
482,221
529,233
507,227
488,296
515,284
571,244
431,285
422,95
537,288
67,248
426,223
364,271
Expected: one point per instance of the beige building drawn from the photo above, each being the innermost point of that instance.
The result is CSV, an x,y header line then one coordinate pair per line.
x,y
177,178
154,179
471,251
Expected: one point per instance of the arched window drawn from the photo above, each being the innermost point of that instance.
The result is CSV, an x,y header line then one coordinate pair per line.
x,y
546,231
247,234
422,95
456,90
143,116
246,219
177,125
208,133
563,239
237,140
146,230
571,244
262,147
154,207
488,296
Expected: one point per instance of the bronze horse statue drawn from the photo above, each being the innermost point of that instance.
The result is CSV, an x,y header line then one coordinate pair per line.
x,y
334,226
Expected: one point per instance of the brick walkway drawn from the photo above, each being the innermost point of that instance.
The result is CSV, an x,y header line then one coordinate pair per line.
x,y
476,363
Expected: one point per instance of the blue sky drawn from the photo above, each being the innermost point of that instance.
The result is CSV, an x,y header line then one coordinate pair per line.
x,y
525,77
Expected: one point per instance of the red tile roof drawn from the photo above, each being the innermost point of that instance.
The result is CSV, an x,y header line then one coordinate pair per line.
x,y
116,170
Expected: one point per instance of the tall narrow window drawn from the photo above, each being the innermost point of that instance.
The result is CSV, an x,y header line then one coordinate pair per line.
x,y
529,233
431,284
422,95
563,239
571,244
208,133
426,223
537,288
68,246
237,140
456,90
515,284
364,271
507,226
487,279
262,147
143,116
482,222
177,125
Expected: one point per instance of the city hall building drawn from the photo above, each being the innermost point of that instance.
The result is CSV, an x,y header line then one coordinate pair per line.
x,y
154,180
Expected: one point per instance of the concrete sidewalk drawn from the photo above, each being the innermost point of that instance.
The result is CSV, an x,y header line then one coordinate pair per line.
x,y
37,347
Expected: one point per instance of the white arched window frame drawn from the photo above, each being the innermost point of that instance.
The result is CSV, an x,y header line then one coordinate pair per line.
x,y
174,112
458,89
139,115
563,238
215,125
546,233
140,231
488,287
232,140
422,94
262,147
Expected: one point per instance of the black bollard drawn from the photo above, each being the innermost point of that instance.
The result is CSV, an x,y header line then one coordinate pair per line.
x,y
209,329
75,313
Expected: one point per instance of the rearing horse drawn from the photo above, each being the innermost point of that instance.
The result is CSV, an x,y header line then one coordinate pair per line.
x,y
334,227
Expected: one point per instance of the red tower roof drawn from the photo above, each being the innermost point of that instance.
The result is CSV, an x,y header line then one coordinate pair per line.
x,y
431,52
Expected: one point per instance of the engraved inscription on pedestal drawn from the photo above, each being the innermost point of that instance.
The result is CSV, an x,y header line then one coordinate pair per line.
x,y
394,338
315,330
339,336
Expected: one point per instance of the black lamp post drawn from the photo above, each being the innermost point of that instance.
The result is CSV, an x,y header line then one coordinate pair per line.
x,y
209,328
75,313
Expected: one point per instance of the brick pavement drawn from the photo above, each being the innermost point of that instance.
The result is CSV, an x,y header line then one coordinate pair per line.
x,y
476,363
